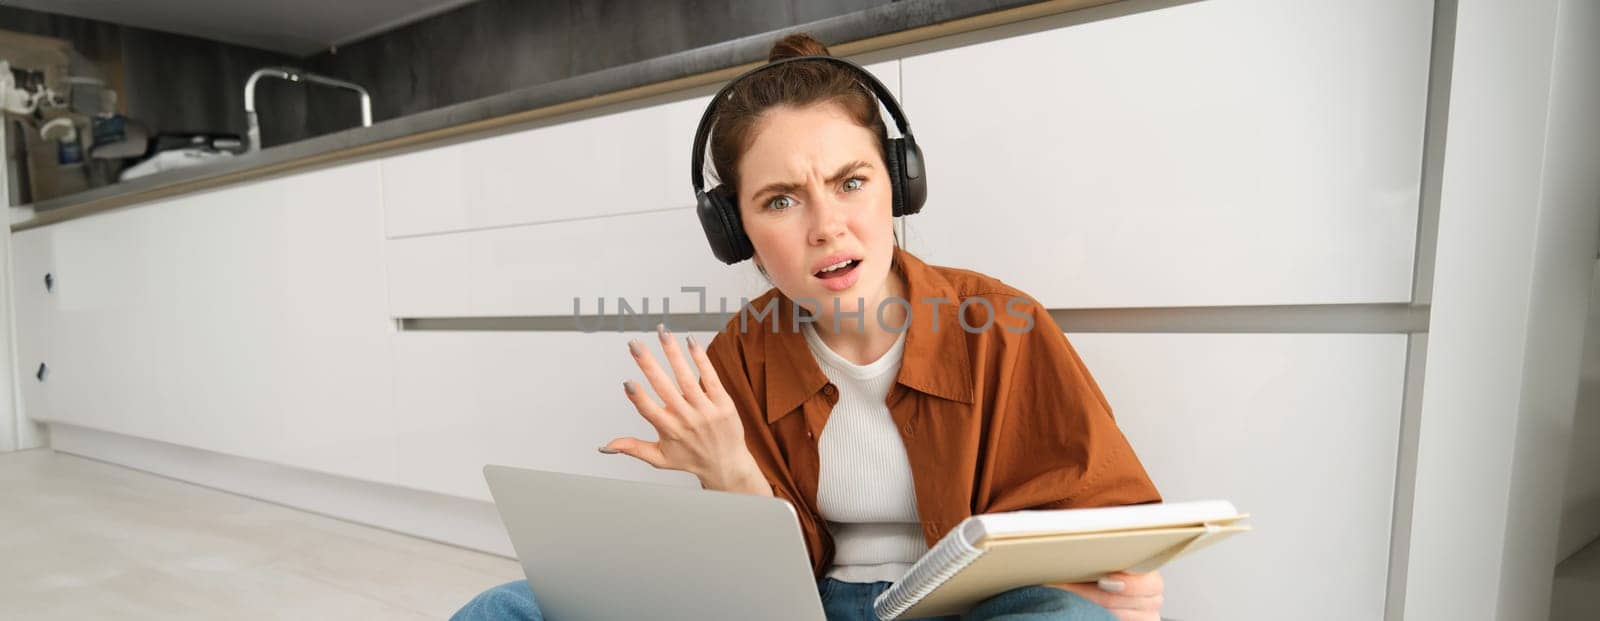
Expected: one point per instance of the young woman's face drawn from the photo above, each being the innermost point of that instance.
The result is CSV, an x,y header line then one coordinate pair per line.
x,y
813,191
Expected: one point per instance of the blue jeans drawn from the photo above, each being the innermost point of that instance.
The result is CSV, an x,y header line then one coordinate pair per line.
x,y
842,601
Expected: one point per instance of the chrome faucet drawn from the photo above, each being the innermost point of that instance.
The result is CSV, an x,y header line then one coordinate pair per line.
x,y
295,75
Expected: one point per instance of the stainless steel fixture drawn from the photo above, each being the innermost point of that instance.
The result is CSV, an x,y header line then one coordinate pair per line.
x,y
295,75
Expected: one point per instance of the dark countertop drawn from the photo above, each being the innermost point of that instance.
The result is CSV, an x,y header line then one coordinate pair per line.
x,y
877,28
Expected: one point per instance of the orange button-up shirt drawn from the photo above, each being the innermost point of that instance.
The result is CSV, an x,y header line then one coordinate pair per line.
x,y
996,410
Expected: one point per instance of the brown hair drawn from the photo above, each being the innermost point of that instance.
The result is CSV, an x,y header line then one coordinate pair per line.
x,y
798,84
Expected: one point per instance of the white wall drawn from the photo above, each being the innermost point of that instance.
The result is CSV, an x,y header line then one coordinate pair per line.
x,y
1516,249
1580,508
11,417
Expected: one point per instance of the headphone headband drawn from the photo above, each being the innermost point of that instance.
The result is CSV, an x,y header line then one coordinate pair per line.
x,y
697,161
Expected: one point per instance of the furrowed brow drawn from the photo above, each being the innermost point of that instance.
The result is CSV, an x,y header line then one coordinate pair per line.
x,y
783,186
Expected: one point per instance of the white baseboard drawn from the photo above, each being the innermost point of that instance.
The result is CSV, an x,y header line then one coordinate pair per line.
x,y
472,524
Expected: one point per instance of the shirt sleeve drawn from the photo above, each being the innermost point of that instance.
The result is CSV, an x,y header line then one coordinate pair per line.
x,y
735,372
1054,443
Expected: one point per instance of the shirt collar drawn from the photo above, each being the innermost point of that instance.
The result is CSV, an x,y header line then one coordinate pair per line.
x,y
934,360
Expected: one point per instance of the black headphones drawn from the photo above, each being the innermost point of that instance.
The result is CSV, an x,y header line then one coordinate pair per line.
x,y
719,206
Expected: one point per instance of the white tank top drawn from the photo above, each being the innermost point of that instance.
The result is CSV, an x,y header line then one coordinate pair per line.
x,y
864,488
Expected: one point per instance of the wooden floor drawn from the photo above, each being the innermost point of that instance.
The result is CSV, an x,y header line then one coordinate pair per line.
x,y
81,539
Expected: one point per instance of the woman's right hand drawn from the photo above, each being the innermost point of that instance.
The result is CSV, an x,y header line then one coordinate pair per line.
x,y
697,423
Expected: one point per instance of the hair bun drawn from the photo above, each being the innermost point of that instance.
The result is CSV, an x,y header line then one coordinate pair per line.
x,y
797,44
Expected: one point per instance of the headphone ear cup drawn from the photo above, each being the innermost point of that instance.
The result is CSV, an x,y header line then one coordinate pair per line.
x,y
913,176
891,160
904,159
719,216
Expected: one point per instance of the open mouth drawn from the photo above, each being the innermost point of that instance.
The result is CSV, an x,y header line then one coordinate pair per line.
x,y
839,270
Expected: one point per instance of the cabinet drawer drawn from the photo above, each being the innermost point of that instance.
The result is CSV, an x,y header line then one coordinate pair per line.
x,y
1231,152
1300,430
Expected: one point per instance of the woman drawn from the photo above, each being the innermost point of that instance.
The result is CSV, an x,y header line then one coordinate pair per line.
x,y
886,399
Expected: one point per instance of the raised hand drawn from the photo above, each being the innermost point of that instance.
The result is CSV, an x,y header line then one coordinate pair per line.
x,y
697,425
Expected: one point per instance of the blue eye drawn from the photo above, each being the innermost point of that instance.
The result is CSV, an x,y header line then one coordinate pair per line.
x,y
776,199
859,181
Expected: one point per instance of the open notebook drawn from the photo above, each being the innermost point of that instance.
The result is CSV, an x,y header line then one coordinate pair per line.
x,y
986,555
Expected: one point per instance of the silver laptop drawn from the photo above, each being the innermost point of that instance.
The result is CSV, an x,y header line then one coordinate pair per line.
x,y
596,548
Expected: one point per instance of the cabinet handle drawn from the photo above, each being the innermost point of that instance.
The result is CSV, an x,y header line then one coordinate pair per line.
x,y
49,282
43,370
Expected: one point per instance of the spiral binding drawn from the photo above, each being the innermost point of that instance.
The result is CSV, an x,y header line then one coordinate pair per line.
x,y
952,554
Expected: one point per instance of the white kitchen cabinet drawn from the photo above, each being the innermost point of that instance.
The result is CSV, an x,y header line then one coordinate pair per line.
x,y
1230,152
1299,430
36,320
425,191
101,324
681,119
249,320
544,400
596,166
583,166
428,275
538,269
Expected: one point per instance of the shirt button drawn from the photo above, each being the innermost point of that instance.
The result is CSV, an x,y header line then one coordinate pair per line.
x,y
829,390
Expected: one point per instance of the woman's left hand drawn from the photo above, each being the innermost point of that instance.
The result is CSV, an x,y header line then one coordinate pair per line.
x,y
1138,599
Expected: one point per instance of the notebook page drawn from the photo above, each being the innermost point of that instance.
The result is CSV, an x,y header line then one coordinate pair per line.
x,y
978,527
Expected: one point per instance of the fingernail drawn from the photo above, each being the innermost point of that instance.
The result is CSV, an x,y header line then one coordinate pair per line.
x,y
690,340
633,347
1113,586
607,451
627,387
661,331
